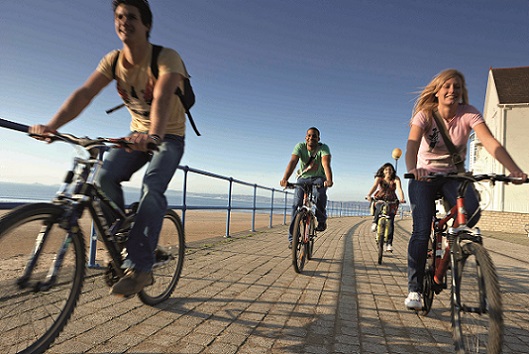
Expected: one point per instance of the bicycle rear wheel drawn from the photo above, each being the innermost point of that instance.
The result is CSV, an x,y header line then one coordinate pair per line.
x,y
477,315
169,261
299,254
31,317
381,231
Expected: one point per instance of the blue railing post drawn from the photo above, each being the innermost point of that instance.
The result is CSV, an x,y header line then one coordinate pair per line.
x,y
254,206
184,196
286,206
228,214
271,209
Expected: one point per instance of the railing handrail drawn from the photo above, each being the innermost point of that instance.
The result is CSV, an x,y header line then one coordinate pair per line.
x,y
334,209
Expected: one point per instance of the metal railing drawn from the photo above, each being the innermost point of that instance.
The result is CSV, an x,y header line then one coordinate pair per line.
x,y
277,204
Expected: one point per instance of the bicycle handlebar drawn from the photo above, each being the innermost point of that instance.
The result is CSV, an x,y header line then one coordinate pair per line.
x,y
85,142
469,176
303,185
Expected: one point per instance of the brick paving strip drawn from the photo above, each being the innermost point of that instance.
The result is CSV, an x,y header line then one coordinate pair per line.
x,y
241,295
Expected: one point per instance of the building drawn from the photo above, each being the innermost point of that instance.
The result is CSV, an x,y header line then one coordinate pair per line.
x,y
506,112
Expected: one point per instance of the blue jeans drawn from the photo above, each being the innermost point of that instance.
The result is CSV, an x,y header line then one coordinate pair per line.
x,y
422,200
119,166
320,195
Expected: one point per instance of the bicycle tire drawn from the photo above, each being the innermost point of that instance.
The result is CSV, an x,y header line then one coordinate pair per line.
x,y
428,279
381,230
299,253
31,318
169,263
477,315
312,235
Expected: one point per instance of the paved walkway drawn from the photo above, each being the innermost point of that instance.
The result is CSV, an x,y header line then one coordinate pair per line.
x,y
241,295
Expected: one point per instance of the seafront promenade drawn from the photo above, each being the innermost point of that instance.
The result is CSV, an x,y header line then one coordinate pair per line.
x,y
241,295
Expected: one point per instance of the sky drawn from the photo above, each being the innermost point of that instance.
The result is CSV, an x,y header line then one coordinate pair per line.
x,y
263,71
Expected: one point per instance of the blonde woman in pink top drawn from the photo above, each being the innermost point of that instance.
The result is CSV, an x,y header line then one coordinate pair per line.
x,y
427,153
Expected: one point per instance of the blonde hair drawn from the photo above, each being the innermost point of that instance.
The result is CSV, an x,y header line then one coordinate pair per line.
x,y
427,102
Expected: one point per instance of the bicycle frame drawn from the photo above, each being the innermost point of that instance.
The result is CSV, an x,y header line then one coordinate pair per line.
x,y
84,194
443,255
309,205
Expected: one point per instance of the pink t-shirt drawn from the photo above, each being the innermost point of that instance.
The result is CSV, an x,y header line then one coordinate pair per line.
x,y
433,154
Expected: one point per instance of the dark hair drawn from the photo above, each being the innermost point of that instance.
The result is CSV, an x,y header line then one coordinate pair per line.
x,y
380,172
142,6
316,129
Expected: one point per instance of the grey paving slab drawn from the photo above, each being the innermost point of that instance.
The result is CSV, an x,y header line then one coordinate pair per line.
x,y
241,295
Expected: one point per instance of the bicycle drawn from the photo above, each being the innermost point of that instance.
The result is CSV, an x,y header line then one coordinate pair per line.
x,y
43,253
387,212
304,230
475,301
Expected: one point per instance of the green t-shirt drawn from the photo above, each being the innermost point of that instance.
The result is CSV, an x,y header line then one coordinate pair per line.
x,y
315,169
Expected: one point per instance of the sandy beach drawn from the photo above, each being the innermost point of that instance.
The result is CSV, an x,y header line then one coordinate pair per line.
x,y
201,225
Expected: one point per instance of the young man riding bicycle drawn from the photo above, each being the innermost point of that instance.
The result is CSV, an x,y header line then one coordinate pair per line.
x,y
158,117
315,166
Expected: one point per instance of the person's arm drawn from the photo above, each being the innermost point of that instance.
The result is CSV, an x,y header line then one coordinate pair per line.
x,y
497,151
74,104
412,150
288,171
373,189
326,163
163,92
399,190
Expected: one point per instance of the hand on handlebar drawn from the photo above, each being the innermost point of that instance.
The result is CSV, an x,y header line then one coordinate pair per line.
x,y
140,142
328,184
519,177
41,132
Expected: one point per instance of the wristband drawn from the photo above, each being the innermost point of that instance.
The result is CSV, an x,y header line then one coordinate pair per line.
x,y
156,138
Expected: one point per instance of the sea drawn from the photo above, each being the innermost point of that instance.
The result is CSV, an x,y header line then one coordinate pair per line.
x,y
31,193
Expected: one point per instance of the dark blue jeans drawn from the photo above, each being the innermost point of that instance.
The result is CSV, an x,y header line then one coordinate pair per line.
x,y
422,200
119,166
320,195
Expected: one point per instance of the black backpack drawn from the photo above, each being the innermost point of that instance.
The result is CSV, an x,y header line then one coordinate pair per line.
x,y
187,97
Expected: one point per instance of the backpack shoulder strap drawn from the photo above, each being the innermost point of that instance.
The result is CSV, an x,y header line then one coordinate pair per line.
x,y
156,49
114,64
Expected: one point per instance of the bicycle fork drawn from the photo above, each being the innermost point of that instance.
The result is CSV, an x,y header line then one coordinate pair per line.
x,y
51,277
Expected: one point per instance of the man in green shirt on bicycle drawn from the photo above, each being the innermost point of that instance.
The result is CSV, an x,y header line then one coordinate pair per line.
x,y
315,167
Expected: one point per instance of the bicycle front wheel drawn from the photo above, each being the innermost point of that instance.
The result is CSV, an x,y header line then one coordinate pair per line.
x,y
477,315
34,307
381,232
428,280
169,261
312,234
299,254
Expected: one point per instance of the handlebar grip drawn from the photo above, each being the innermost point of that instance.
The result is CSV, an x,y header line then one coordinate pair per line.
x,y
14,126
409,176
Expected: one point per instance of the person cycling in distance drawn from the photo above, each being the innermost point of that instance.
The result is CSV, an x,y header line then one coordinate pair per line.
x,y
386,184
315,167
157,117
446,96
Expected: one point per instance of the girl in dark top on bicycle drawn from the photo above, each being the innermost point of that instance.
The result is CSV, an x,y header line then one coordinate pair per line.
x,y
386,184
446,95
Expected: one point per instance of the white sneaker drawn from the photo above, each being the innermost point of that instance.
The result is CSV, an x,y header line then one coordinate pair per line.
x,y
413,301
389,248
374,227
